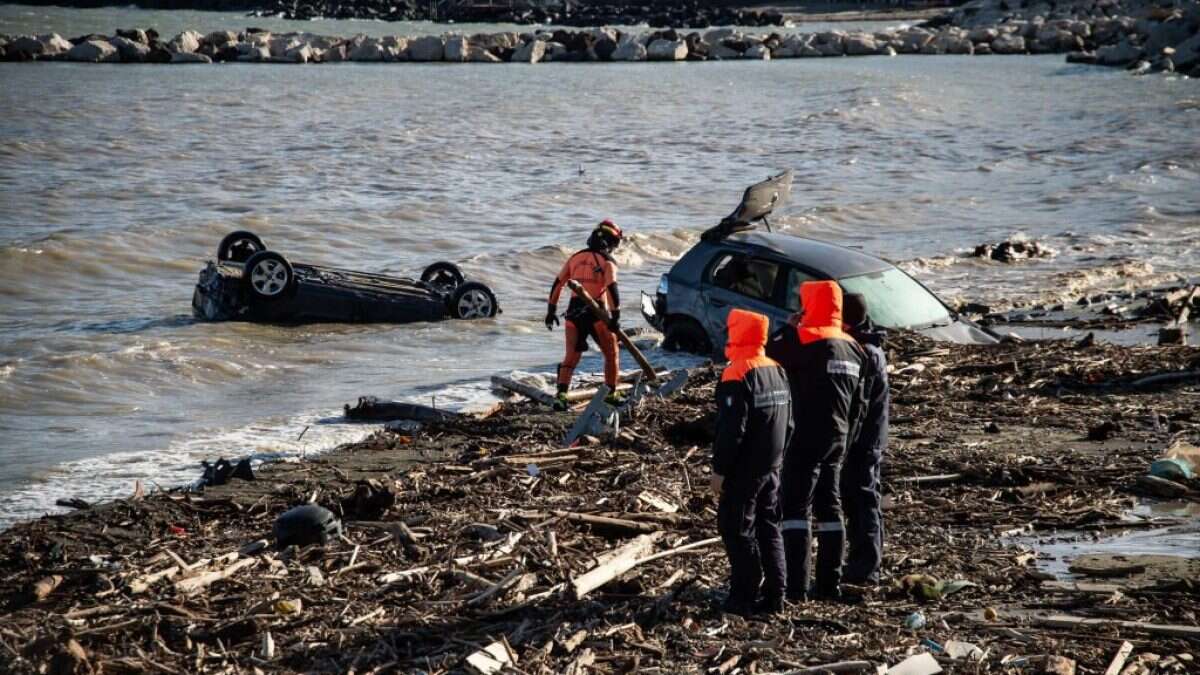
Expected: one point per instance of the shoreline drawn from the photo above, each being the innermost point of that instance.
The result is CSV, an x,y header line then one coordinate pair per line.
x,y
989,443
1152,41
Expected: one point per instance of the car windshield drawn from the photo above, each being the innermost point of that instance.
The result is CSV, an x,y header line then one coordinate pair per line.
x,y
895,300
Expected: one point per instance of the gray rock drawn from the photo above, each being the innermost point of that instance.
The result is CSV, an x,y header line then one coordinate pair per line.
x,y
861,44
220,38
913,40
481,55
555,51
94,51
190,57
253,53
723,53
1008,44
335,53
395,48
131,51
1167,34
830,43
983,34
530,52
629,50
185,43
1187,54
456,49
301,54
54,44
428,48
135,34
953,42
715,37
983,49
888,51
26,45
1120,54
667,50
758,52
367,50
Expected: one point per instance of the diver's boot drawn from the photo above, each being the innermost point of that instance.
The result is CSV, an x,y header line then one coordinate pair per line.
x,y
615,399
560,401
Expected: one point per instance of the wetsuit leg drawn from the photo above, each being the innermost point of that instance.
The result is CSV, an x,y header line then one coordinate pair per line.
x,y
831,534
607,340
567,368
736,513
800,472
770,538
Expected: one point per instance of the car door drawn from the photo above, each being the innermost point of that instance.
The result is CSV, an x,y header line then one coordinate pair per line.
x,y
737,280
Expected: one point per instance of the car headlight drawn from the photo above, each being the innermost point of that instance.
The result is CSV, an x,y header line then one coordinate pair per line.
x,y
663,284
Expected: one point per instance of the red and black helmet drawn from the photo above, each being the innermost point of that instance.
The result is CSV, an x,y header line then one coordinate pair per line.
x,y
609,233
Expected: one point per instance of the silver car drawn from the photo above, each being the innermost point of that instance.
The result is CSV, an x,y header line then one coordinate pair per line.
x,y
737,266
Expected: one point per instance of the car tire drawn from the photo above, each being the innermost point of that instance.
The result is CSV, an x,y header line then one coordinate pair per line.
x,y
685,334
268,276
473,300
443,276
239,246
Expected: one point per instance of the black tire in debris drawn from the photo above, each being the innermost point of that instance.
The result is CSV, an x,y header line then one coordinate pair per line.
x,y
473,300
268,276
443,276
685,334
239,246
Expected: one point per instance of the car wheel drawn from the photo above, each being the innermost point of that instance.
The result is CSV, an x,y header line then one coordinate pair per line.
x,y
443,276
473,300
268,276
685,334
239,246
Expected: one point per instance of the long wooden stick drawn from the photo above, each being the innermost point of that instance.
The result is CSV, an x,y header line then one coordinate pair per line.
x,y
604,316
1119,659
619,561
195,584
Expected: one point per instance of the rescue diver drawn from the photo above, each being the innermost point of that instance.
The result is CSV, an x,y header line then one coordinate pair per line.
x,y
595,270
754,426
861,472
824,367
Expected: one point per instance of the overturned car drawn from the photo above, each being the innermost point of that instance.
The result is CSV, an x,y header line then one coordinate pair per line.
x,y
248,282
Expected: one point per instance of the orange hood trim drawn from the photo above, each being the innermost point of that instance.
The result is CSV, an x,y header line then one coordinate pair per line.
x,y
747,335
822,319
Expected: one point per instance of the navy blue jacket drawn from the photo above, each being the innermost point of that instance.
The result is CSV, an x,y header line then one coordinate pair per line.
x,y
873,432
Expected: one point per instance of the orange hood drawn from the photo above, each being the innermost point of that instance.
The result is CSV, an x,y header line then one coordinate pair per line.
x,y
822,319
747,335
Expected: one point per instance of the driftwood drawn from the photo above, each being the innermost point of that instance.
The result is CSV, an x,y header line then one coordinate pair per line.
x,y
1066,621
528,391
494,658
198,583
603,315
606,525
590,419
1119,659
839,667
616,563
1175,332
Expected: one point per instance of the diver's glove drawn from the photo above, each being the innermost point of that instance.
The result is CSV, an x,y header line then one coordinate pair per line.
x,y
551,317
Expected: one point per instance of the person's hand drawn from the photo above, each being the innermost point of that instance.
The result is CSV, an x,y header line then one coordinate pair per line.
x,y
795,319
614,321
715,484
551,317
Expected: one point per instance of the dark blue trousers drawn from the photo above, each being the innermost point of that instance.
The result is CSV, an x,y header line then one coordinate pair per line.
x,y
862,504
748,517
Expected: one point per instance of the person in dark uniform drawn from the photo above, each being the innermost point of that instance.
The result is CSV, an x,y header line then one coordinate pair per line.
x,y
824,367
754,425
595,270
861,498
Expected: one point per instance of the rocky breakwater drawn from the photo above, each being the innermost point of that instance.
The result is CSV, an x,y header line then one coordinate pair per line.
x,y
1173,35
1141,35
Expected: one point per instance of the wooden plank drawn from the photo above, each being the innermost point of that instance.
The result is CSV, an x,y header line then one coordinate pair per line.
x,y
1067,621
528,391
588,417
198,583
619,561
1119,659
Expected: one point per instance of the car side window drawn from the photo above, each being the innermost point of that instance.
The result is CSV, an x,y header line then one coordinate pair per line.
x,y
744,275
791,301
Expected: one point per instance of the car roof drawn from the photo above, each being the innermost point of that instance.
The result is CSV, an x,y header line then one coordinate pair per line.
x,y
836,261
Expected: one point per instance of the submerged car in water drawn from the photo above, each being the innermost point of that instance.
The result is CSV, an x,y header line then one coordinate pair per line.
x,y
247,282
735,266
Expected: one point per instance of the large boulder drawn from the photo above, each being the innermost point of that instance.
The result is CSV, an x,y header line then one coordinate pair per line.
x,y
1167,34
94,51
220,38
986,34
666,50
253,53
457,49
1120,54
481,55
130,50
1008,44
953,42
135,34
757,52
530,52
715,37
1187,54
724,52
26,46
629,50
831,43
185,43
861,44
301,54
369,49
395,48
54,44
1052,39
913,40
428,48
190,57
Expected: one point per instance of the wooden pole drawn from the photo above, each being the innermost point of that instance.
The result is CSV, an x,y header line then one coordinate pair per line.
x,y
603,315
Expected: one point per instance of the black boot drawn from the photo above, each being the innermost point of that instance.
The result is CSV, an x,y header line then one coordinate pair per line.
x,y
797,545
770,605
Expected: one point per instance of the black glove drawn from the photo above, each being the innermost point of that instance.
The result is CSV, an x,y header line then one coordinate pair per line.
x,y
551,317
614,322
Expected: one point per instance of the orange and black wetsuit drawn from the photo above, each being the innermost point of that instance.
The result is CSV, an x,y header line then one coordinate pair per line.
x,y
824,366
754,425
597,273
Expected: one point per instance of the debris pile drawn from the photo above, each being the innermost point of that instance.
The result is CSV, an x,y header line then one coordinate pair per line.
x,y
483,545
